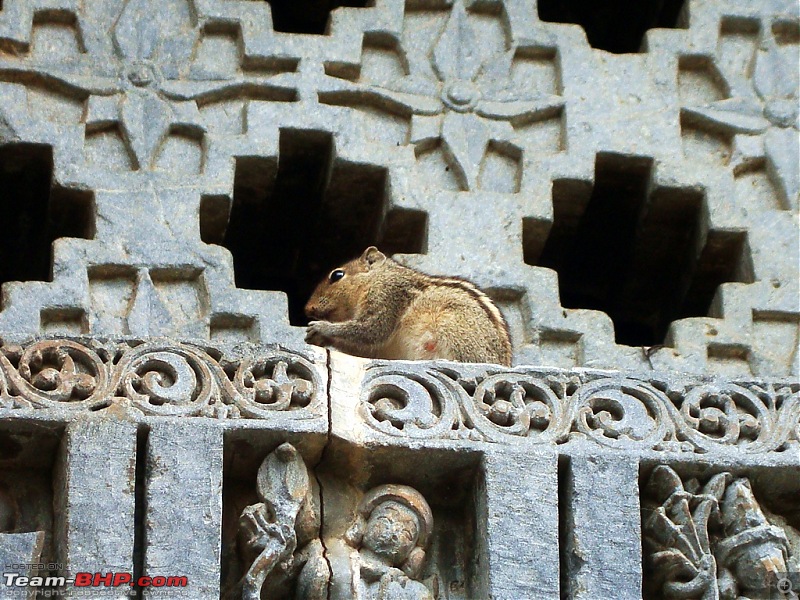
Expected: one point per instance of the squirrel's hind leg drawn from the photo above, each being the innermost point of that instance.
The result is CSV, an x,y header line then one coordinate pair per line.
x,y
418,335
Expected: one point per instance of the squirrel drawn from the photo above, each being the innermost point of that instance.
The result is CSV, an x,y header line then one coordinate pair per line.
x,y
375,307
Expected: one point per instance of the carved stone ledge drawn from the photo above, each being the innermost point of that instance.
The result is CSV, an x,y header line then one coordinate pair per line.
x,y
63,378
529,405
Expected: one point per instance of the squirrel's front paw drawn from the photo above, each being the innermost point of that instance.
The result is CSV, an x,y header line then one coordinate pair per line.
x,y
318,333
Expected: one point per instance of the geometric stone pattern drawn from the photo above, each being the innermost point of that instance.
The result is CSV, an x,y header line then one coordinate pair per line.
x,y
158,420
474,109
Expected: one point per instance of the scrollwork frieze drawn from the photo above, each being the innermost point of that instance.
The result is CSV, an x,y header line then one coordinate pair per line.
x,y
154,378
546,406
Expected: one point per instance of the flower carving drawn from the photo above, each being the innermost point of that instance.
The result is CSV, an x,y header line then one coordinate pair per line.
x,y
713,541
459,95
272,384
64,372
762,100
158,379
144,78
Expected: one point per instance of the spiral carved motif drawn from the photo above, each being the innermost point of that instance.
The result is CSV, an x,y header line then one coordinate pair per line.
x,y
621,413
794,410
515,405
410,404
157,379
728,415
5,401
790,415
540,407
167,381
420,401
277,383
49,374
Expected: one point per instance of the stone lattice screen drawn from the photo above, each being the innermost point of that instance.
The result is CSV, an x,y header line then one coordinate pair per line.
x,y
176,175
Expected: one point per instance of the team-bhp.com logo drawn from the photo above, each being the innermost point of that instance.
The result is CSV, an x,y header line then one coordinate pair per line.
x,y
95,580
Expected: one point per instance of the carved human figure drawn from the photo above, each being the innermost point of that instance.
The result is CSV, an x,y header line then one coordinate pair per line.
x,y
390,535
279,535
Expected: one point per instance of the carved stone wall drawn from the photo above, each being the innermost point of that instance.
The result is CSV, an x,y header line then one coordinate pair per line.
x,y
175,177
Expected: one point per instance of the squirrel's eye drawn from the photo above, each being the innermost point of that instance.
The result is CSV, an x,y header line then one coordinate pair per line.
x,y
336,275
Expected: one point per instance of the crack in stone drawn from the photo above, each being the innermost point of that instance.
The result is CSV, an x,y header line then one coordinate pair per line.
x,y
328,435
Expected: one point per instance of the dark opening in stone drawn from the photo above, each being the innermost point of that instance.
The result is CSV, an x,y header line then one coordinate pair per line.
x,y
636,251
295,219
306,16
617,26
34,212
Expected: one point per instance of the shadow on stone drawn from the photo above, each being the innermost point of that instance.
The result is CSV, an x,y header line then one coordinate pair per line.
x,y
35,212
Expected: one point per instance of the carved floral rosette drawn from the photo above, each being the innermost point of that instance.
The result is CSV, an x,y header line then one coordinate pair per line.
x,y
547,406
156,378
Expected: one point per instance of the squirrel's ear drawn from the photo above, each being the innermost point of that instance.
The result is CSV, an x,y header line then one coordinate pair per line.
x,y
373,256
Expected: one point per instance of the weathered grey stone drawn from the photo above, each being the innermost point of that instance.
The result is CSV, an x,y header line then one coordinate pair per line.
x,y
95,501
22,549
65,379
388,541
602,546
280,534
183,507
405,402
193,151
721,533
518,516
462,140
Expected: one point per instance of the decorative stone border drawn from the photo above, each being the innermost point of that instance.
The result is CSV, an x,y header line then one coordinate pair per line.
x,y
158,378
677,414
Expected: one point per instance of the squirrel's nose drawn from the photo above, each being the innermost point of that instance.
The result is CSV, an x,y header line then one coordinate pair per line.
x,y
311,311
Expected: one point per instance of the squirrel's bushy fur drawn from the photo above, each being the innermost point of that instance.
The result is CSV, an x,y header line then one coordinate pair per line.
x,y
374,307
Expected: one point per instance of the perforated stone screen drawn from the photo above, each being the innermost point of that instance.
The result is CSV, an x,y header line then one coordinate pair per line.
x,y
622,180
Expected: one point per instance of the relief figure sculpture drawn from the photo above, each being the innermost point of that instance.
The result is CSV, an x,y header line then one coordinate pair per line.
x,y
390,536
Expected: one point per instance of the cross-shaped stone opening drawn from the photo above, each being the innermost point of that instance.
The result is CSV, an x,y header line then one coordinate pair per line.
x,y
640,252
311,16
295,218
34,212
616,26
